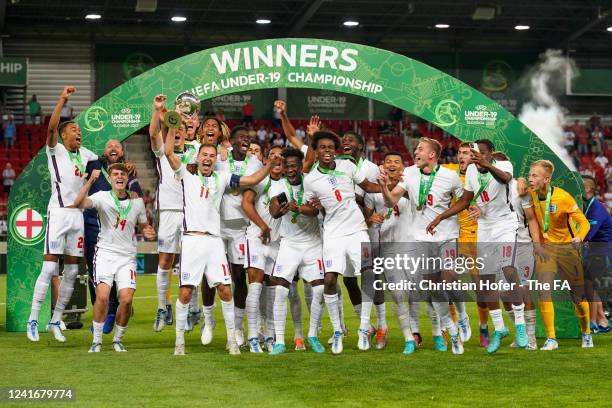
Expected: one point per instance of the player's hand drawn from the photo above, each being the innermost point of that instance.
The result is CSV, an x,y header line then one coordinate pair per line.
x,y
474,212
148,233
159,102
540,252
522,187
131,168
314,125
223,152
280,106
479,159
284,209
134,195
576,240
94,176
314,202
68,91
431,228
293,207
377,218
265,235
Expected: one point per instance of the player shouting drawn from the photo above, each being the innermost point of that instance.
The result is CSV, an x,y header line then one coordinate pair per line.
x,y
115,253
66,163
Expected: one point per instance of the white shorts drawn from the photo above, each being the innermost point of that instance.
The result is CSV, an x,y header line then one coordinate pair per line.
x,y
235,244
496,249
344,255
430,257
524,261
169,231
203,255
303,257
260,256
110,266
65,232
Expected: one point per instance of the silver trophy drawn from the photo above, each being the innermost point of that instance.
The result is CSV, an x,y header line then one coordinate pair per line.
x,y
186,105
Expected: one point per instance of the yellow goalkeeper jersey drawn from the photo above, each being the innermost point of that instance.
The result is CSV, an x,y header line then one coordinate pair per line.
x,y
564,212
468,227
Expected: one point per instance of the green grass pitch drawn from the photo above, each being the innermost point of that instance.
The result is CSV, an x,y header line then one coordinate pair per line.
x,y
149,375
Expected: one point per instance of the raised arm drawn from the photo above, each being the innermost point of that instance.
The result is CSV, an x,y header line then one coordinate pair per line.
x,y
159,102
498,174
259,175
173,159
288,129
82,201
55,116
391,197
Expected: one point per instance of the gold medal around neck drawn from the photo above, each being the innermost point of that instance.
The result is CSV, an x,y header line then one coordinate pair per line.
x,y
235,192
545,234
294,220
419,207
387,216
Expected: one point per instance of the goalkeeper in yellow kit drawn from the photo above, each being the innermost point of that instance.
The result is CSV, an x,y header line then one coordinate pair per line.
x,y
556,211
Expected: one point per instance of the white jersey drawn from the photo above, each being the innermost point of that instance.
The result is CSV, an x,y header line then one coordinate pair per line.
x,y
169,190
66,177
231,208
519,204
446,184
115,235
370,171
306,229
494,200
201,200
262,206
398,223
336,192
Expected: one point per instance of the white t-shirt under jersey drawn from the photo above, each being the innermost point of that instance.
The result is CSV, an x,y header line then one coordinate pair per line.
x,y
306,229
66,178
202,200
262,206
396,228
119,237
337,196
231,208
494,201
370,171
446,184
169,190
519,204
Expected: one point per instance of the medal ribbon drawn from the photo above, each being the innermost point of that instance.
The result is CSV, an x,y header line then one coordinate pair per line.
x,y
424,188
300,196
546,217
233,166
75,158
123,211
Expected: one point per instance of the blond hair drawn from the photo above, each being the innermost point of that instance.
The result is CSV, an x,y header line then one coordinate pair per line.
x,y
433,143
547,165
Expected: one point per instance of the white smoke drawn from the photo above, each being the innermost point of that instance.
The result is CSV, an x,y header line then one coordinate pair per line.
x,y
543,114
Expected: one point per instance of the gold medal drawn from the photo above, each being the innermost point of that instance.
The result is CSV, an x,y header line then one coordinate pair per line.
x,y
294,220
545,235
387,216
419,207
235,192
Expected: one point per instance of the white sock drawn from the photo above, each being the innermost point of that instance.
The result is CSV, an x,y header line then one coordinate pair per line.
x,y
271,294
436,329
341,305
181,313
97,331
415,311
366,311
511,315
65,291
252,308
358,308
238,318
228,310
498,319
519,313
460,308
308,295
530,320
280,313
119,332
48,270
296,310
162,286
194,307
446,320
208,314
261,313
316,310
381,315
331,301
403,318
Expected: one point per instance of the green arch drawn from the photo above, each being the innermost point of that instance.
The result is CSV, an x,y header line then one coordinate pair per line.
x,y
292,63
